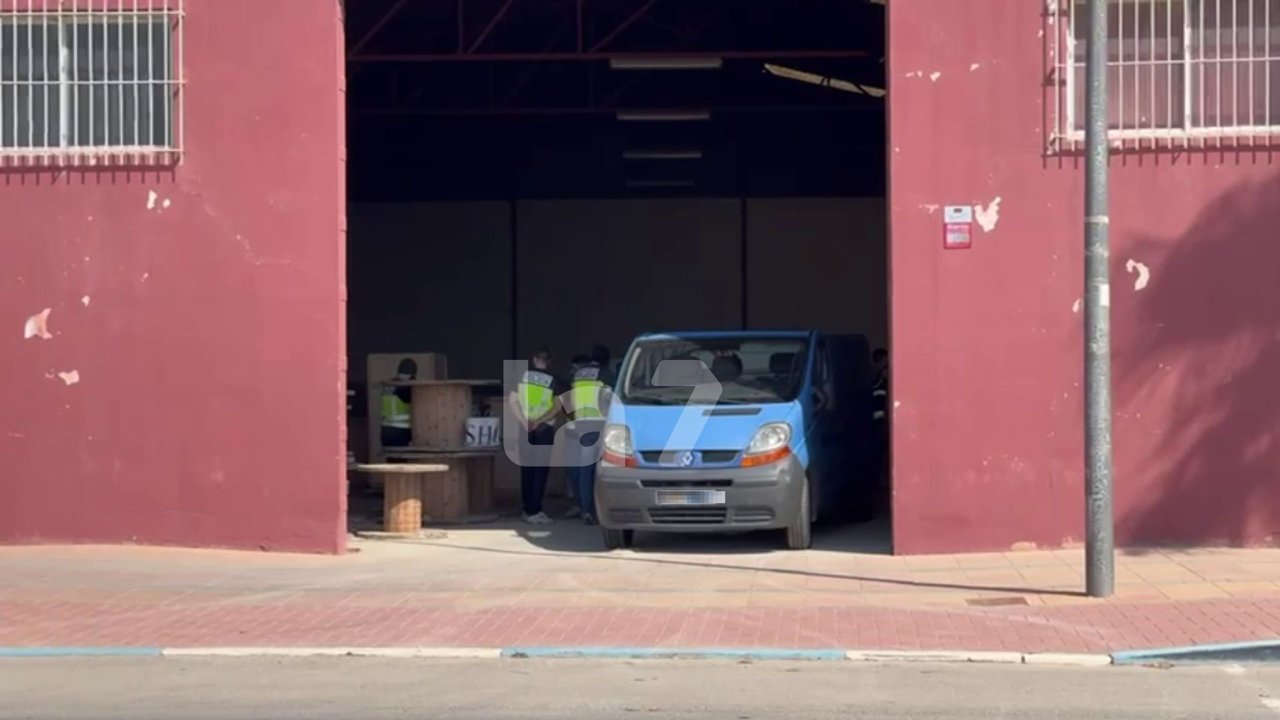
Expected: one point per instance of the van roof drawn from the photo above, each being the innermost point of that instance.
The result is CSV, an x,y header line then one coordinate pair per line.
x,y
731,334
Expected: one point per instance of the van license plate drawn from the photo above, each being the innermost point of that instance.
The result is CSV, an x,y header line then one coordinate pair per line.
x,y
696,497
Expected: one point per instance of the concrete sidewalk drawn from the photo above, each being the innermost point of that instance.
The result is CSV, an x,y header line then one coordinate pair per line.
x,y
509,586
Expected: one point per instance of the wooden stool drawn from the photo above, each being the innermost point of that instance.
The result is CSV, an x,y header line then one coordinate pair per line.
x,y
402,494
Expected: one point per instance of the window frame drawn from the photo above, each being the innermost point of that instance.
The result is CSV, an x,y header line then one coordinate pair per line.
x,y
1071,86
59,32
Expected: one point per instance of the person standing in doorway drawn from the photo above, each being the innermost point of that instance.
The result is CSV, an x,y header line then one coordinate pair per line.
x,y
601,356
397,426
570,485
880,420
586,408
534,404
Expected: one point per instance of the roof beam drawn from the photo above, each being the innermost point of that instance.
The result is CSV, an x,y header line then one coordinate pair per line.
x,y
390,15
598,56
497,18
622,27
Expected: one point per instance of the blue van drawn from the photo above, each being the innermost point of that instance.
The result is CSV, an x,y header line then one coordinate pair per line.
x,y
737,430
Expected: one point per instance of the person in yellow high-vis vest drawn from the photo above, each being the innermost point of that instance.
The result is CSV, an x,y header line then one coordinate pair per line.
x,y
535,405
586,407
397,428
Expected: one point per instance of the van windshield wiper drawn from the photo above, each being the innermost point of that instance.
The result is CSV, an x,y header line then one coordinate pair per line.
x,y
641,400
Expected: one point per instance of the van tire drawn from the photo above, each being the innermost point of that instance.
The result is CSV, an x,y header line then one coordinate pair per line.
x,y
618,539
800,532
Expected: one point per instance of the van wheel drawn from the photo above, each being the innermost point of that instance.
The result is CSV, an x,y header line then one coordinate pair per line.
x,y
800,532
618,539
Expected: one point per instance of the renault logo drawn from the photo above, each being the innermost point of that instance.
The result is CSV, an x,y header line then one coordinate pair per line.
x,y
685,459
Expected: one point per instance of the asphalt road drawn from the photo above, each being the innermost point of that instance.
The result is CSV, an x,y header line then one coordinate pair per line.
x,y
371,689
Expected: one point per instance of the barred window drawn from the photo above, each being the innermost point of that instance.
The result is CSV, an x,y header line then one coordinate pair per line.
x,y
90,83
1181,73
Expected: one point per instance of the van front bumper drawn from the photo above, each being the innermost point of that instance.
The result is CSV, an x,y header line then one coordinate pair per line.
x,y
757,498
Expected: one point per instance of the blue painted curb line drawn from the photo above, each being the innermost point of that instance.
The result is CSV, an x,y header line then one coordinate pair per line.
x,y
61,652
1131,657
690,653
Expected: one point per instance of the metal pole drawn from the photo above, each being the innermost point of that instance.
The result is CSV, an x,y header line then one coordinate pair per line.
x,y
1099,524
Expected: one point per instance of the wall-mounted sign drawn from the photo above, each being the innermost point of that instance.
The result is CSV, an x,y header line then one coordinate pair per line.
x,y
957,227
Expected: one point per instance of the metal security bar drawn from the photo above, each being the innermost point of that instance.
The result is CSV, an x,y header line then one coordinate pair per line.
x,y
90,82
1182,74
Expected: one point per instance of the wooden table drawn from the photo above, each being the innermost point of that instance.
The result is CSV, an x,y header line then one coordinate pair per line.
x,y
440,410
402,491
464,494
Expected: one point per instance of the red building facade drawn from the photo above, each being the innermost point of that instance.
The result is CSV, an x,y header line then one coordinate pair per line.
x,y
186,385
199,306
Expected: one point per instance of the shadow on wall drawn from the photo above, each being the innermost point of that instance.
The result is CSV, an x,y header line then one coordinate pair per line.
x,y
1198,377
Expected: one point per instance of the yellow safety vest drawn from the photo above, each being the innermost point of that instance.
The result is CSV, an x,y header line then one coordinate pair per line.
x,y
536,395
585,394
395,412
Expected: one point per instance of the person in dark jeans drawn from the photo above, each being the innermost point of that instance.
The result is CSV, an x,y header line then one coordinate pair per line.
x,y
587,407
533,478
535,404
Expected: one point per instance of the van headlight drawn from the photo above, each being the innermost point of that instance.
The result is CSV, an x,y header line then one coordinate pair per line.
x,y
617,441
770,438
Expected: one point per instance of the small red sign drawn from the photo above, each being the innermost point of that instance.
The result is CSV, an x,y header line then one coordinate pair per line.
x,y
957,236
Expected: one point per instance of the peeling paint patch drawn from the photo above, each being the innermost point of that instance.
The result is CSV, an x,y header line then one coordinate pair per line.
x,y
1024,547
85,301
167,202
152,199
145,276
38,326
917,73
988,217
70,377
974,67
931,209
1142,271
1075,307
934,76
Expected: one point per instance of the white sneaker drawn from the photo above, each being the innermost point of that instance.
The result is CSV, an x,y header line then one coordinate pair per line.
x,y
538,519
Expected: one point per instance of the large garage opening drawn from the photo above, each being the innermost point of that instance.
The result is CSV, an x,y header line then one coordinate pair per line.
x,y
571,173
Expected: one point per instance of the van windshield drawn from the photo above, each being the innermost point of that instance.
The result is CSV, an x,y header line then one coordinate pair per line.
x,y
749,371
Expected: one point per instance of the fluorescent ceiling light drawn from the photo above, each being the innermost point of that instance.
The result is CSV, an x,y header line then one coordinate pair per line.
x,y
823,81
662,154
666,63
659,183
663,115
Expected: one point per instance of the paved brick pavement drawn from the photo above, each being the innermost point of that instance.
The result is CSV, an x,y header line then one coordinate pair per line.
x,y
507,586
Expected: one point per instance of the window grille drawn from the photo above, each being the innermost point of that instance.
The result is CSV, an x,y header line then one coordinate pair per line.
x,y
1181,73
90,82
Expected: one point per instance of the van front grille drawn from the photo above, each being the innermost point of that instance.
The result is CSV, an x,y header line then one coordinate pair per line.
x,y
682,484
671,457
688,516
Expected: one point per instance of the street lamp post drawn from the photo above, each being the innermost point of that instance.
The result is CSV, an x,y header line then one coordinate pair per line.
x,y
1099,521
